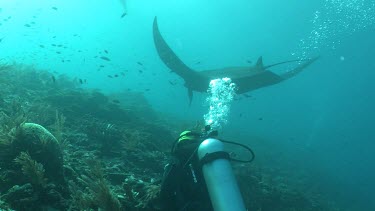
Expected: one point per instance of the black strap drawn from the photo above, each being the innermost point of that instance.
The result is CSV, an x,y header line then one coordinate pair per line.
x,y
209,157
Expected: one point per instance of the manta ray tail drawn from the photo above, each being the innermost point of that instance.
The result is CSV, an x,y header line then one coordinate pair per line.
x,y
190,94
298,69
285,62
260,64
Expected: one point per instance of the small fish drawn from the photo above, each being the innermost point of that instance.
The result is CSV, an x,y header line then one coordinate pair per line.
x,y
240,115
80,81
42,46
123,15
59,45
32,22
1,39
27,25
53,79
147,90
109,76
54,37
260,118
172,83
105,58
247,95
116,101
58,52
105,51
140,71
198,62
54,45
140,63
122,73
101,66
54,8
249,61
115,75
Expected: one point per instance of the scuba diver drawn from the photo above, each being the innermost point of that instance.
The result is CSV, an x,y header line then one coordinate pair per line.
x,y
184,187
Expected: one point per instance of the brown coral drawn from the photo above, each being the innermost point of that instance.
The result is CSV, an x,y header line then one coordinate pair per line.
x,y
32,169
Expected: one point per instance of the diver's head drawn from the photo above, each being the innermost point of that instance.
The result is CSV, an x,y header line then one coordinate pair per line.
x,y
188,142
187,138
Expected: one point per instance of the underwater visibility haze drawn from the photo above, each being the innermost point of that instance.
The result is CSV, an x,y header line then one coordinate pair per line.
x,y
93,94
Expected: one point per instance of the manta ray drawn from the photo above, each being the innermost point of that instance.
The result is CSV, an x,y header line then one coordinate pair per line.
x,y
246,78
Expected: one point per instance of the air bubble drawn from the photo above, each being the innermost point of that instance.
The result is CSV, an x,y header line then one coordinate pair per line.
x,y
221,93
349,16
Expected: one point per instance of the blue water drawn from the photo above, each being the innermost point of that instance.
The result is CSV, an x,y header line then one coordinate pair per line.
x,y
317,127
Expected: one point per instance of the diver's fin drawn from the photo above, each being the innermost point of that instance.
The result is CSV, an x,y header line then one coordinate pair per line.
x,y
298,69
259,63
190,94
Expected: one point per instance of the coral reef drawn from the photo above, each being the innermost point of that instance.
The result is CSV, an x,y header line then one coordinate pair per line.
x,y
98,192
32,169
100,154
41,145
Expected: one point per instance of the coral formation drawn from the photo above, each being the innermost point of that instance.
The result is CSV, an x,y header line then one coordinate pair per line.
x,y
32,169
42,146
103,155
98,192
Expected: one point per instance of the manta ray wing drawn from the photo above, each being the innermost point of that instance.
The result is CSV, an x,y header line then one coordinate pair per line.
x,y
246,78
232,72
267,78
253,82
193,80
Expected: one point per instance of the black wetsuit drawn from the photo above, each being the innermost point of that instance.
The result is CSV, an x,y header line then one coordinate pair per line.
x,y
183,186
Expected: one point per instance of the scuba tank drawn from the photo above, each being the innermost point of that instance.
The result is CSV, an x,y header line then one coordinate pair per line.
x,y
220,180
